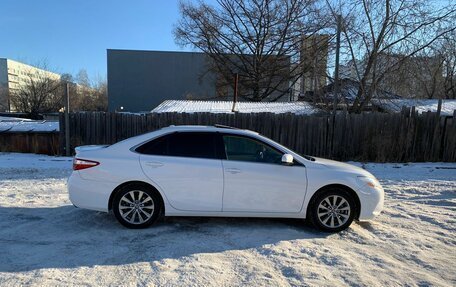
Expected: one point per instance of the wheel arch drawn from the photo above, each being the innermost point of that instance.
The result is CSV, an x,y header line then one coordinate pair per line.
x,y
136,182
349,190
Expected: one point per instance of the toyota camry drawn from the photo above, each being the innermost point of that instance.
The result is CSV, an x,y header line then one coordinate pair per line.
x,y
219,171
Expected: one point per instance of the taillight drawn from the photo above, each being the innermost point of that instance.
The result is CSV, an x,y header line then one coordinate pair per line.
x,y
79,164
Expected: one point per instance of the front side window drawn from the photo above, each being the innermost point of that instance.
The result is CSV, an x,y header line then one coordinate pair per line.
x,y
245,149
182,144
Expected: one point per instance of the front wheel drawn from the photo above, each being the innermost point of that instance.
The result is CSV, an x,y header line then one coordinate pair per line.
x,y
136,206
332,210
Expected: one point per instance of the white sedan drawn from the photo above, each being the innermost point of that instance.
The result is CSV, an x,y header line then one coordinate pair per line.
x,y
219,171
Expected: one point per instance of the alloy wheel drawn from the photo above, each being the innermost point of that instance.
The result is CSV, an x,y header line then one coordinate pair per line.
x,y
333,211
136,207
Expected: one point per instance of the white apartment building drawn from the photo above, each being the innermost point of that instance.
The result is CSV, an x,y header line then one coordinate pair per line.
x,y
13,74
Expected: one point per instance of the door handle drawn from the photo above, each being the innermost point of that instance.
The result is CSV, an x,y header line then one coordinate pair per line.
x,y
154,163
233,170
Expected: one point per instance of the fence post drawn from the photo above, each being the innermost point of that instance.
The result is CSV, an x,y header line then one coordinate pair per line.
x,y
61,134
67,119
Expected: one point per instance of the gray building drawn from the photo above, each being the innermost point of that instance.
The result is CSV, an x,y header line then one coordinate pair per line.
x,y
141,80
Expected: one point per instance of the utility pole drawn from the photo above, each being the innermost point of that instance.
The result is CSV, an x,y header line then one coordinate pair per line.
x,y
67,119
236,79
336,87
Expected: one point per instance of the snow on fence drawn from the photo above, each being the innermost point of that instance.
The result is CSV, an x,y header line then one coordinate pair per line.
x,y
399,137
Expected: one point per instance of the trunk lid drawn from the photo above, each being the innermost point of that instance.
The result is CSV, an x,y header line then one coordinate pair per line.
x,y
89,148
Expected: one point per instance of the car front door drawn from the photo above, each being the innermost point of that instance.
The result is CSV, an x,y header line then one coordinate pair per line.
x,y
257,181
186,166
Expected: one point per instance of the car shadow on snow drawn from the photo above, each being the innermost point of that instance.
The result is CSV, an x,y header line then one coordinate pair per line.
x,y
67,237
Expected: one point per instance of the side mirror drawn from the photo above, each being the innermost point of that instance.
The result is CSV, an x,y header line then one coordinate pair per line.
x,y
287,159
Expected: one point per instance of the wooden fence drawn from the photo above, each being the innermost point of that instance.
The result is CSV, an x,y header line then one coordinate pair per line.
x,y
30,142
380,137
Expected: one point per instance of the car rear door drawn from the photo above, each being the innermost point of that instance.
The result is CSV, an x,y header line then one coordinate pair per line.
x,y
257,181
187,167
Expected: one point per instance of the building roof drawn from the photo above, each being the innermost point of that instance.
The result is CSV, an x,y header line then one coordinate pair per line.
x,y
184,106
29,68
349,91
421,105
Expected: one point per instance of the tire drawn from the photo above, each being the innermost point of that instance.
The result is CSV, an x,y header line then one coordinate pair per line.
x,y
332,210
136,206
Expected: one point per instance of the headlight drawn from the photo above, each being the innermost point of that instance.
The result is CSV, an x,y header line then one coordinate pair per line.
x,y
366,183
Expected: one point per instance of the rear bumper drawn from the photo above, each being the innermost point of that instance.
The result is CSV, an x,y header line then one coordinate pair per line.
x,y
89,194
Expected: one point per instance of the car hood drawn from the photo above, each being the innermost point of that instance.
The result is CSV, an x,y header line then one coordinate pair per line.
x,y
340,166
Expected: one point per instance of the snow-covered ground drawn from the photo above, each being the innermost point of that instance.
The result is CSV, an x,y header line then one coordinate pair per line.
x,y
46,241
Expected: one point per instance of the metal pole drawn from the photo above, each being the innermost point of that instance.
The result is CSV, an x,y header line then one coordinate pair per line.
x,y
336,88
236,79
67,119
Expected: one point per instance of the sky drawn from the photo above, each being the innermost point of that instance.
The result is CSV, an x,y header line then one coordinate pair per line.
x,y
70,35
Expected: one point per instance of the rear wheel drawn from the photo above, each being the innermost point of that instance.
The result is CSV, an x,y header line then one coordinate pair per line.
x,y
332,210
136,206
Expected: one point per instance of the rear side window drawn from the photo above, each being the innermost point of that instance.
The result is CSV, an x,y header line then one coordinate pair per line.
x,y
182,144
200,145
156,147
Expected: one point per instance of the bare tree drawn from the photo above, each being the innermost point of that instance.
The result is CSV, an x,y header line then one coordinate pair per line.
x,y
419,77
37,93
82,78
258,39
385,34
94,97
87,94
75,99
447,50
428,75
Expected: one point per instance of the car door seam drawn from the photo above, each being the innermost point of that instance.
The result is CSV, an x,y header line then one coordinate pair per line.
x,y
154,184
223,186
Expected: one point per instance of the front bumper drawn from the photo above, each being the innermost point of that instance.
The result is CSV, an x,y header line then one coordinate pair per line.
x,y
371,203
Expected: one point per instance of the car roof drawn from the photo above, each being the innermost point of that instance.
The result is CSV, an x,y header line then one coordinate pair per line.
x,y
133,141
216,128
